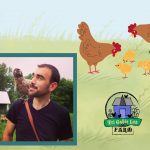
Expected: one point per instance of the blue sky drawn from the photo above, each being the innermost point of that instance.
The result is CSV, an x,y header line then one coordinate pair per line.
x,y
51,18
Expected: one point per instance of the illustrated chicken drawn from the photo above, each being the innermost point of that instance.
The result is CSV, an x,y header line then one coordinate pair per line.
x,y
124,68
141,30
93,51
114,114
129,56
130,115
145,65
22,84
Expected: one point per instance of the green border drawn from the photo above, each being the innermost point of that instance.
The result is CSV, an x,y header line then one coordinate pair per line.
x,y
51,143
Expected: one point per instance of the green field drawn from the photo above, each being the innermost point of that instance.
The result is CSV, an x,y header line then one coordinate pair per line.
x,y
94,90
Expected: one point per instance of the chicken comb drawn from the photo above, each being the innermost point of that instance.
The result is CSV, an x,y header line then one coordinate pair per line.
x,y
117,46
131,27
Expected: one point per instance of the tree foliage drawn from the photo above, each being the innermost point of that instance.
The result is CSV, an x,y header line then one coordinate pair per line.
x,y
64,94
4,77
7,81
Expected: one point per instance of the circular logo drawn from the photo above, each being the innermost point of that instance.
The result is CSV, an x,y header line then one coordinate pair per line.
x,y
122,105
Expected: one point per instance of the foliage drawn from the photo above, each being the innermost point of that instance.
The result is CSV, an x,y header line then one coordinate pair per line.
x,y
64,94
7,82
2,126
29,76
5,79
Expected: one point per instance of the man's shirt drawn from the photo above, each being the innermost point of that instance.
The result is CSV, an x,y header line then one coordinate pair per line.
x,y
52,122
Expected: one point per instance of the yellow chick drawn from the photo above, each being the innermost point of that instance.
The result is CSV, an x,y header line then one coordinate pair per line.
x,y
129,56
124,68
145,65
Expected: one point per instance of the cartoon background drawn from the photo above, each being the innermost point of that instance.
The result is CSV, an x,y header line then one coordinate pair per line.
x,y
50,26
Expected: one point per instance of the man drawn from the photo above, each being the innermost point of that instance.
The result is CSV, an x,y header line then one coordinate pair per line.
x,y
52,121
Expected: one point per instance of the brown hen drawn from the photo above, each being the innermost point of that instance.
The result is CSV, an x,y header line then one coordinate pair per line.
x,y
91,50
141,30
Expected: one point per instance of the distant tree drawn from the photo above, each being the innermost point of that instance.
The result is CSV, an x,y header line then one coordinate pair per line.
x,y
7,81
3,77
64,94
29,76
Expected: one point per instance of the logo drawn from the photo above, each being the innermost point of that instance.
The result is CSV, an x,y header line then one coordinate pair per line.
x,y
122,112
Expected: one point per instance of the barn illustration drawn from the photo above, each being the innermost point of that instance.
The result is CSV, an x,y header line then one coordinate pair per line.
x,y
122,107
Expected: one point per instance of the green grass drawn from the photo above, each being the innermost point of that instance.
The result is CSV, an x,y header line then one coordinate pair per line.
x,y
71,118
2,127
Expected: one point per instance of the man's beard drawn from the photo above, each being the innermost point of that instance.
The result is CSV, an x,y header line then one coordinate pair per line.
x,y
39,93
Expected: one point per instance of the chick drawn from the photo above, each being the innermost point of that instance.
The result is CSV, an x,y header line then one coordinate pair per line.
x,y
129,56
124,68
145,65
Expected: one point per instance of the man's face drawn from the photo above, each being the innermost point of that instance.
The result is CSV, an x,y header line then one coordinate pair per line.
x,y
40,83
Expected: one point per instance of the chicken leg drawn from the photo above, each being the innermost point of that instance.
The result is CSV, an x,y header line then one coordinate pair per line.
x,y
90,70
95,70
125,76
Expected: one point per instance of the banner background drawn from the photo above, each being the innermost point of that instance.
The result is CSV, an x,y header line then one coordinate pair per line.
x,y
50,27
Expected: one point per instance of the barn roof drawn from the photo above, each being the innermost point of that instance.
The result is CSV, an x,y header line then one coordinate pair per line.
x,y
121,101
4,99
